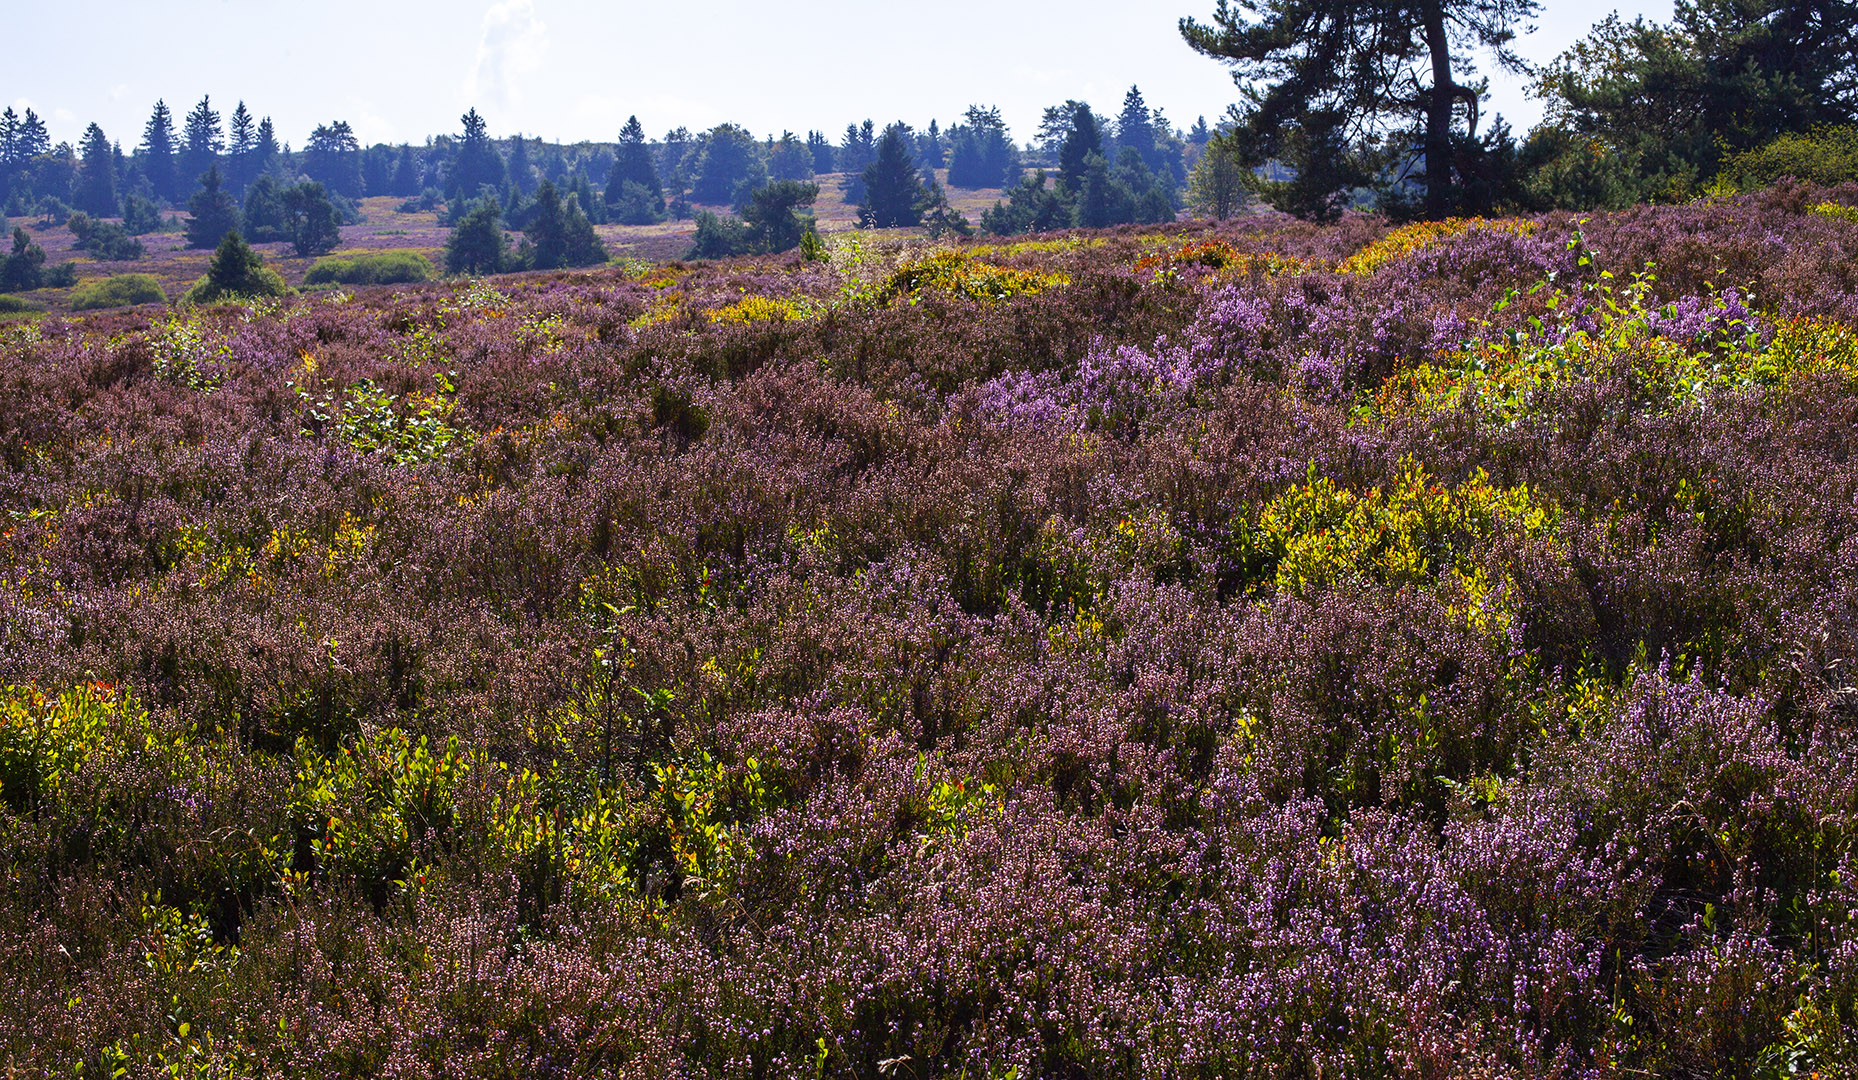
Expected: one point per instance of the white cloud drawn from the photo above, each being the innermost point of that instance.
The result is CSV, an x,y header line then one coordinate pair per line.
x,y
512,46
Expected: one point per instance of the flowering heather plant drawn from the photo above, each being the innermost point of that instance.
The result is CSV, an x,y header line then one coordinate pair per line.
x,y
1080,660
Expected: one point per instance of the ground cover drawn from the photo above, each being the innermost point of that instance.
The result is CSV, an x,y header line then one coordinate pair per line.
x,y
1256,650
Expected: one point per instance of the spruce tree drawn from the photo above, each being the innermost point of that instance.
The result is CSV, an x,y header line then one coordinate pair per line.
x,y
893,192
200,150
242,141
477,244
789,159
265,155
561,233
1080,142
158,154
632,164
773,216
24,269
214,214
96,186
478,165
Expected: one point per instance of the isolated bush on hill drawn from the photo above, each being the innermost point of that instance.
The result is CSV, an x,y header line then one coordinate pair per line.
x,y
1827,156
236,273
105,240
371,268
121,290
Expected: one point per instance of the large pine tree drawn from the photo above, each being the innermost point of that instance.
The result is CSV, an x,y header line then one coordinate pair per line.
x,y
893,192
204,141
632,164
158,153
241,144
96,178
478,164
1339,90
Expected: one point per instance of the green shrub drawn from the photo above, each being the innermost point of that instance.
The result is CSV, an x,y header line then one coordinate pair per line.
x,y
236,272
1827,156
375,268
13,305
122,290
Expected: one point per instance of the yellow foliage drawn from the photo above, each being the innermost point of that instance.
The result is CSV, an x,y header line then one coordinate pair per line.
x,y
1420,235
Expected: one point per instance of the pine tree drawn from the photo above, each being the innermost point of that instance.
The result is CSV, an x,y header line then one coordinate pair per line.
x,y
824,159
632,164
266,154
477,244
522,170
773,218
789,159
241,143
204,141
1339,90
158,153
1135,128
478,165
981,151
96,185
332,157
1082,140
214,214
561,233
406,179
893,192
9,138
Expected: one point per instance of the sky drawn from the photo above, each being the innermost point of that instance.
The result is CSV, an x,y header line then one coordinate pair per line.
x,y
567,70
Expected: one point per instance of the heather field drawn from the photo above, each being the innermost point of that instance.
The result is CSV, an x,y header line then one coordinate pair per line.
x,y
1258,650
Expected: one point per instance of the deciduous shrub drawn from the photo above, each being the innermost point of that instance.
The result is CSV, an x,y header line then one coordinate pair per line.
x,y
370,268
121,290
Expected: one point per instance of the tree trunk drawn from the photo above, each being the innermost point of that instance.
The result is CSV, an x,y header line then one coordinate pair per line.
x,y
1439,115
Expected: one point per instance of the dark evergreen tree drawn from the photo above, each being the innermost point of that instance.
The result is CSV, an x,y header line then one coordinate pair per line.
x,y
332,157
236,272
789,159
560,232
406,178
825,158
893,193
522,169
858,149
1032,206
1200,134
1340,90
202,143
981,151
477,244
477,165
266,154
314,222
140,215
719,236
213,213
241,144
158,154
929,147
582,192
96,183
24,269
773,216
633,165
1081,142
728,162
265,217
673,160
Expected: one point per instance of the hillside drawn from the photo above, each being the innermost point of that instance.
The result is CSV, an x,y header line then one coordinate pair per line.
x,y
1262,650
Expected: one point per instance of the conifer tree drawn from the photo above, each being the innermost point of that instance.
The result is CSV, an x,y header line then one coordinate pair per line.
x,y
477,244
1080,142
561,233
203,142
24,269
158,153
478,164
235,272
632,165
213,213
314,224
266,154
893,193
96,185
241,143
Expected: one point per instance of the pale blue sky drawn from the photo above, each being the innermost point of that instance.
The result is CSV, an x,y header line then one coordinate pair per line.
x,y
574,69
